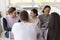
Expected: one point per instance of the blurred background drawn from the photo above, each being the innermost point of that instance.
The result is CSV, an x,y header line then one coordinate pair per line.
x,y
28,5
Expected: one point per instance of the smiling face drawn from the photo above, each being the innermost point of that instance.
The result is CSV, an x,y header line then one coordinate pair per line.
x,y
32,14
13,14
12,11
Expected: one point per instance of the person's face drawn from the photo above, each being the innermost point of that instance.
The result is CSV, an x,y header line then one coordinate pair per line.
x,y
14,13
46,11
32,14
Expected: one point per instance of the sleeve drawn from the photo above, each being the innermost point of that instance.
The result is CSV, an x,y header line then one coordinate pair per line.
x,y
5,25
39,17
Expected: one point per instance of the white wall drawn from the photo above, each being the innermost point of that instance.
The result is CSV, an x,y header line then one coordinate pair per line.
x,y
5,3
3,6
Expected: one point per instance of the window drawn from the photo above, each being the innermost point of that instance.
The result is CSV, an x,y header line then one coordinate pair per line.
x,y
39,1
36,1
57,0
14,1
19,1
26,0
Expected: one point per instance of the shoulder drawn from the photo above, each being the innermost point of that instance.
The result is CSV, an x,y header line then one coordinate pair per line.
x,y
40,15
16,24
33,24
6,17
30,19
30,24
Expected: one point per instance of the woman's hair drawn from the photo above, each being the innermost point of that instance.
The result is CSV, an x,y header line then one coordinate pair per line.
x,y
54,27
24,15
47,6
35,11
11,9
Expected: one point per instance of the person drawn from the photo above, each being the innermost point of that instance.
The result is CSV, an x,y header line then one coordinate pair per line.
x,y
33,16
2,37
9,20
45,16
54,27
1,28
44,20
34,19
24,30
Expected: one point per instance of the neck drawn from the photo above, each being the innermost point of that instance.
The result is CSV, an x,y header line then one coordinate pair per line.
x,y
12,16
46,15
34,17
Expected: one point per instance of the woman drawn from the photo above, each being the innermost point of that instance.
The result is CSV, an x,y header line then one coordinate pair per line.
x,y
24,30
45,16
2,37
34,19
9,20
1,28
44,20
54,27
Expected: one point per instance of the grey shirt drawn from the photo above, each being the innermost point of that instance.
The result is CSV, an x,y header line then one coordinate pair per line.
x,y
43,20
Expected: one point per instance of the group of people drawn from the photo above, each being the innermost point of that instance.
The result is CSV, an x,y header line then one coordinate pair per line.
x,y
31,27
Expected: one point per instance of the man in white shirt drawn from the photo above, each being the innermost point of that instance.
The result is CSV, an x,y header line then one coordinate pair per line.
x,y
24,30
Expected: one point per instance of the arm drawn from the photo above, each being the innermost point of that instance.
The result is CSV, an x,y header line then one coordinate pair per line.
x,y
12,36
38,28
39,23
5,25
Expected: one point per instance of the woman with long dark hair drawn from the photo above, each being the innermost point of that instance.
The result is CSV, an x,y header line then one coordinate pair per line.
x,y
54,27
